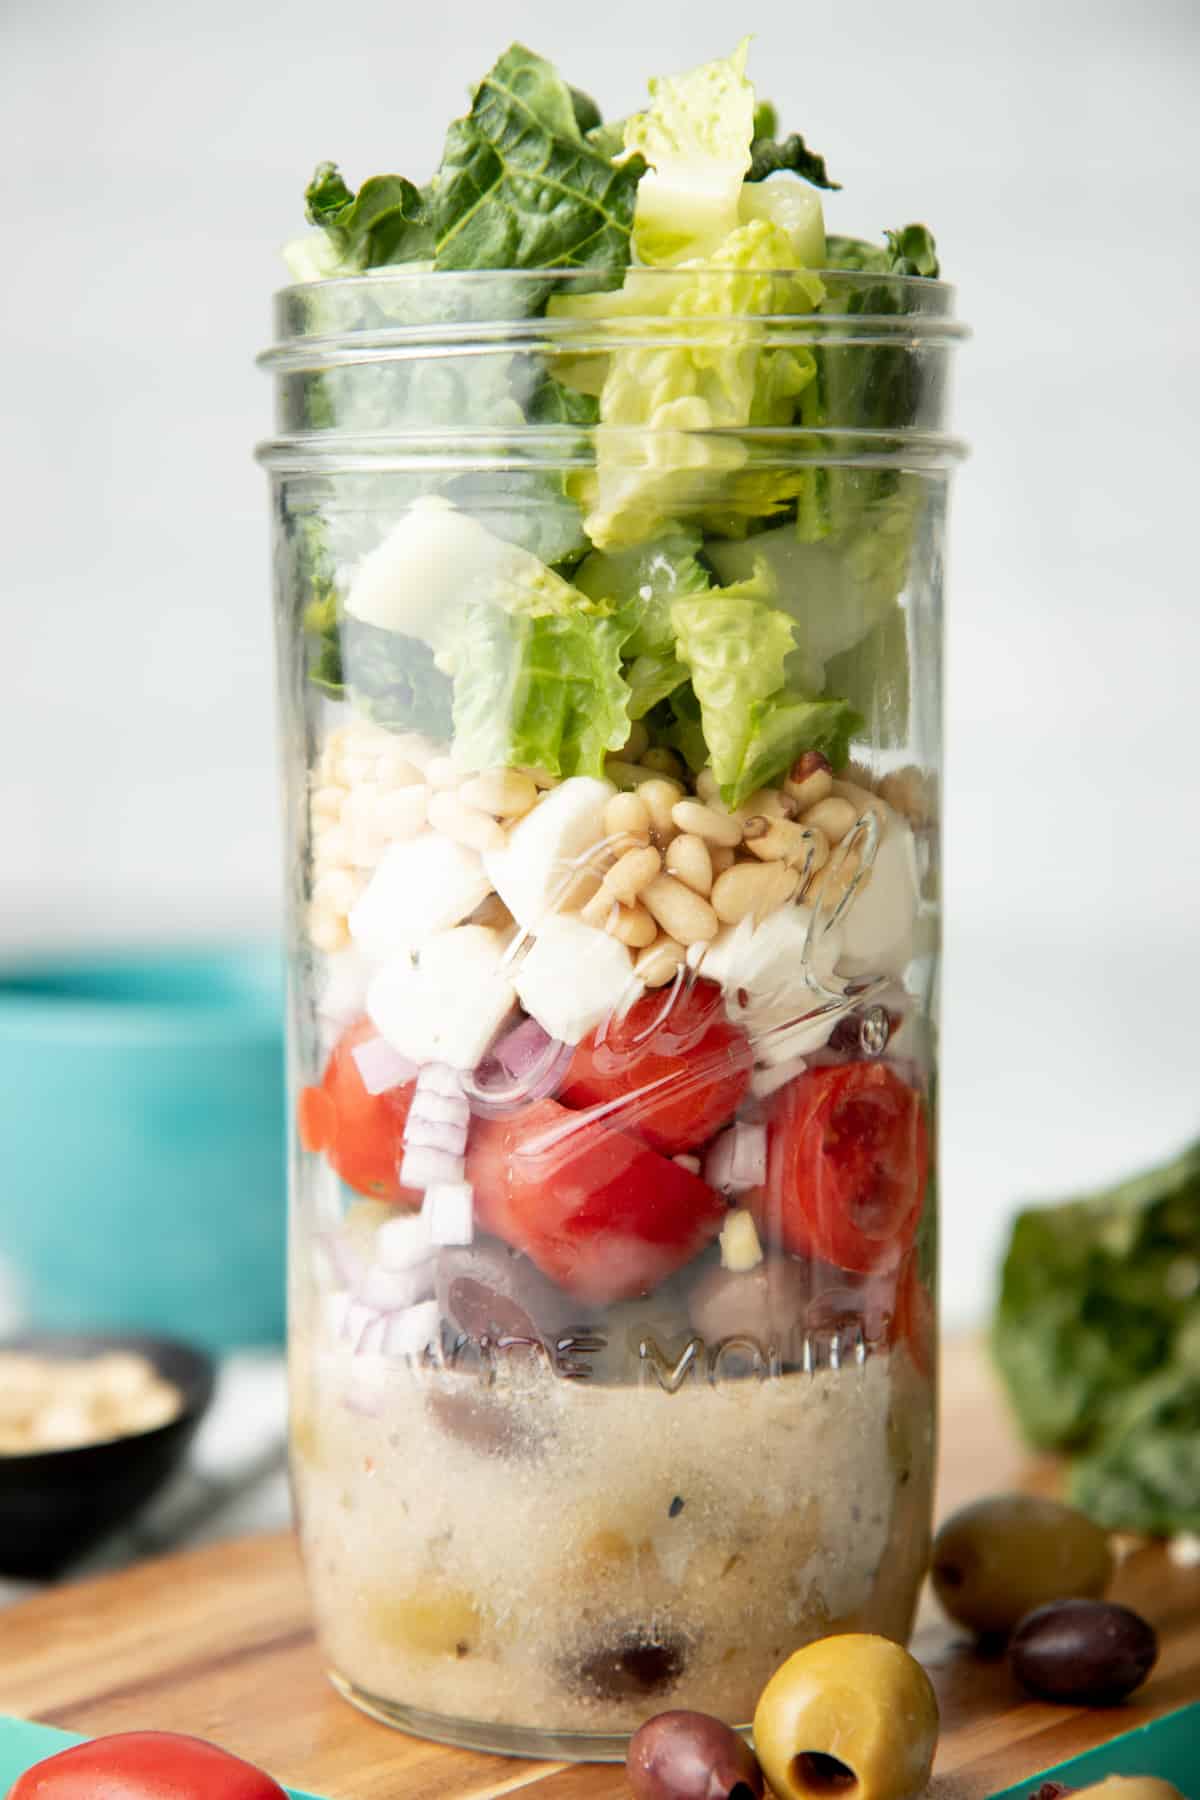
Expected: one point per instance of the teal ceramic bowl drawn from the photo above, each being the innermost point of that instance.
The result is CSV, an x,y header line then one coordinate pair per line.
x,y
144,1172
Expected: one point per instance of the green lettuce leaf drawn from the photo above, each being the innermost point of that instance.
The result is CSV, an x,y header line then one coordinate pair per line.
x,y
642,583
783,727
768,156
909,251
540,690
696,138
386,222
1098,1302
656,460
520,187
677,723
385,675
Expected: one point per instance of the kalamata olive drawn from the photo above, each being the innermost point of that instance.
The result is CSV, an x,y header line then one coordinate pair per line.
x,y
489,1291
691,1756
1089,1652
635,1662
995,1561
1129,1787
766,1304
853,1715
484,1422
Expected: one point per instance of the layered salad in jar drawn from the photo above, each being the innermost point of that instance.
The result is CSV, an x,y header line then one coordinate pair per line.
x,y
611,1311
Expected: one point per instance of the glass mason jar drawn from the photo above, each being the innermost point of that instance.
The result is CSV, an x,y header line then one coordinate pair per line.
x,y
611,758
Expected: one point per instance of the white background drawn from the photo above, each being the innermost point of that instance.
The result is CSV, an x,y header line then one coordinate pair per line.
x,y
156,154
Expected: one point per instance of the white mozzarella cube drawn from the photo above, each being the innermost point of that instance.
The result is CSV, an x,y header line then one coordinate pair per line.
x,y
449,1007
342,984
410,1332
425,885
772,979
878,926
403,1242
449,1211
573,977
533,873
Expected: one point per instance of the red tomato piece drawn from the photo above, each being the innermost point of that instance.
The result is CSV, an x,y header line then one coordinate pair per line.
x,y
145,1765
595,1210
360,1133
847,1161
672,1071
914,1322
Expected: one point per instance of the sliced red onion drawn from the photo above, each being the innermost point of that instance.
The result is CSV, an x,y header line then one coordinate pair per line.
x,y
434,1134
422,1166
381,1067
356,1322
524,1066
737,1160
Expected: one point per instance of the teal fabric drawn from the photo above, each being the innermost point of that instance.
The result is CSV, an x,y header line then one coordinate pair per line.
x,y
23,1744
144,1161
1168,1747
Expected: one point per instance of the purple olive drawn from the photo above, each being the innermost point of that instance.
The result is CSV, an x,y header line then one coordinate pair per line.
x,y
1083,1652
489,1291
485,1424
630,1665
691,1756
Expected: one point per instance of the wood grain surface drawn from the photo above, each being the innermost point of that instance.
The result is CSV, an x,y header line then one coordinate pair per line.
x,y
217,1641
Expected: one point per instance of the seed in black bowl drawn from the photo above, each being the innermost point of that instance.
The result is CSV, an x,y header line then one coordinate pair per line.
x,y
691,1756
1083,1652
631,1665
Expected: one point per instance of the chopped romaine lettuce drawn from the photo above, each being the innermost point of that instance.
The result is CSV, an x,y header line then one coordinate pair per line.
x,y
543,690
909,251
796,210
696,138
657,463
387,221
768,156
643,582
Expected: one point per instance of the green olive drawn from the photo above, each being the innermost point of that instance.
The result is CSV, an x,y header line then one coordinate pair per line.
x,y
852,1715
1130,1787
997,1560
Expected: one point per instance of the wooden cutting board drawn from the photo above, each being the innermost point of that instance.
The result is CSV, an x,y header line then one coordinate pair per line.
x,y
217,1642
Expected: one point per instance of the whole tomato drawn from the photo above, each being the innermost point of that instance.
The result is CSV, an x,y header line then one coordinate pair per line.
x,y
145,1765
361,1134
847,1161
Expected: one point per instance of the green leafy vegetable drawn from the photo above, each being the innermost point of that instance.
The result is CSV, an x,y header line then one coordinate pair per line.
x,y
719,377
520,187
909,251
387,676
387,221
545,691
768,156
643,582
766,120
696,138
1097,1335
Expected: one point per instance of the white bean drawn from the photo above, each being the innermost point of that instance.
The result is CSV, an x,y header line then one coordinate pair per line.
x,y
705,822
475,830
660,963
662,761
631,925
628,876
686,916
834,816
689,858
752,889
505,793
442,772
626,816
660,796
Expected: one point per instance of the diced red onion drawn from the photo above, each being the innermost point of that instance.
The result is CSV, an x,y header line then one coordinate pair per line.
x,y
439,1078
524,1066
434,1134
341,1255
737,1160
422,1166
391,1290
381,1067
450,1211
439,1108
403,1241
407,1333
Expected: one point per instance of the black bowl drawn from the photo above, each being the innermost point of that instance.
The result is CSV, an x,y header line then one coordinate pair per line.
x,y
56,1504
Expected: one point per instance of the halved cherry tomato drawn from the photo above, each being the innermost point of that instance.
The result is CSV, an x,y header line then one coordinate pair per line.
x,y
360,1133
672,1070
145,1765
594,1209
847,1161
914,1318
